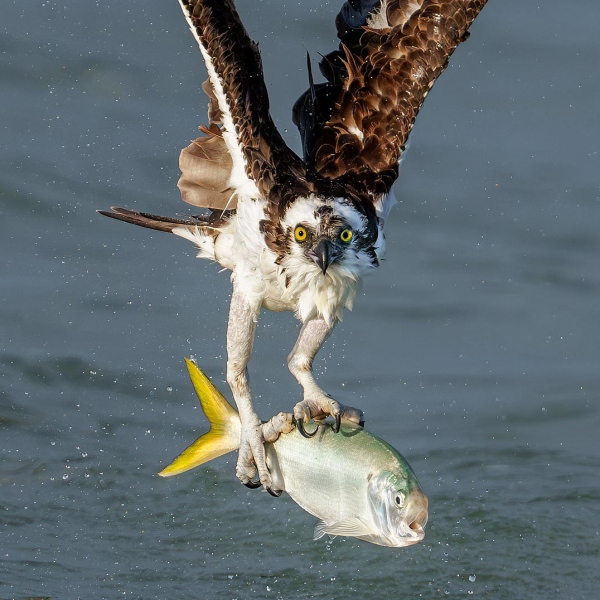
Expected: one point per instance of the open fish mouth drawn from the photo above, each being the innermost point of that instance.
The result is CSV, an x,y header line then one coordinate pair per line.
x,y
412,530
410,533
416,530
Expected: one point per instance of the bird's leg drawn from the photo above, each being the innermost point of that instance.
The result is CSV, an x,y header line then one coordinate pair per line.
x,y
316,403
240,339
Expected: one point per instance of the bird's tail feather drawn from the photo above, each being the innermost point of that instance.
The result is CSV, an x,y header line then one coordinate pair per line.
x,y
152,221
225,426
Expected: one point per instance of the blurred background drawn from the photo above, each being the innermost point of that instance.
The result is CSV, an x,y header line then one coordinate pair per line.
x,y
474,349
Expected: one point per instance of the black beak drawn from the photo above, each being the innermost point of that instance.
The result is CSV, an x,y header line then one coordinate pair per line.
x,y
324,253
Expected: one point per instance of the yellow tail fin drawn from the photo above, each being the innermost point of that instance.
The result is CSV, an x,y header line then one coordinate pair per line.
x,y
224,434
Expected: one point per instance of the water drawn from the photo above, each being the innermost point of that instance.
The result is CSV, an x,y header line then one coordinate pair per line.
x,y
474,349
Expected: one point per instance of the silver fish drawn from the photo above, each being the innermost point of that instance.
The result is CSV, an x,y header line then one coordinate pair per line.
x,y
353,481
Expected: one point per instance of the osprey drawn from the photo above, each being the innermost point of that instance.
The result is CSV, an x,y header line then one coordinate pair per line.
x,y
299,233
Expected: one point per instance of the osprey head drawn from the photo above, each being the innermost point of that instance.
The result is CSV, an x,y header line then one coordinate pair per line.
x,y
329,234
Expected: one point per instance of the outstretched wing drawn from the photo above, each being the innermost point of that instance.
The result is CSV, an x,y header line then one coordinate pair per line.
x,y
355,127
242,140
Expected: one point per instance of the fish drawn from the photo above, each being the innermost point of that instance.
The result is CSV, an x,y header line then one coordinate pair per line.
x,y
354,482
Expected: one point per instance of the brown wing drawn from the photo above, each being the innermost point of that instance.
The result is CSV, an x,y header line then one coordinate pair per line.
x,y
261,163
391,54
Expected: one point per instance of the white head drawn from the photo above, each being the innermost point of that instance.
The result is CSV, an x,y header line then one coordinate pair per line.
x,y
331,235
322,247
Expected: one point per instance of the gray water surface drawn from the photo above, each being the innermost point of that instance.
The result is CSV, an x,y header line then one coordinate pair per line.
x,y
474,349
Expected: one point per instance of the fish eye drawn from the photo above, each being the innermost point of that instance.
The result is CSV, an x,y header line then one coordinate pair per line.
x,y
399,499
300,234
346,235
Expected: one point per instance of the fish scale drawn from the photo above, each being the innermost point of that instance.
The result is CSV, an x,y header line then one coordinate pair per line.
x,y
332,464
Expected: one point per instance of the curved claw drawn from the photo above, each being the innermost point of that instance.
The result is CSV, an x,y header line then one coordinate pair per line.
x,y
338,423
274,493
253,484
300,425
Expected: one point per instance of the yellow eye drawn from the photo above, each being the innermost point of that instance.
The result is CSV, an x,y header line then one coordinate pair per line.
x,y
300,234
346,235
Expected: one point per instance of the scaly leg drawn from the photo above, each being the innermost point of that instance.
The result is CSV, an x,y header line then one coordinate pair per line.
x,y
240,340
316,403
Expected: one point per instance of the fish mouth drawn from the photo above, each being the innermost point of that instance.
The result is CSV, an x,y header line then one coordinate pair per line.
x,y
417,529
412,527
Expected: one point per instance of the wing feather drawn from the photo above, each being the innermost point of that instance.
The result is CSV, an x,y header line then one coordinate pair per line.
x,y
206,168
261,163
391,53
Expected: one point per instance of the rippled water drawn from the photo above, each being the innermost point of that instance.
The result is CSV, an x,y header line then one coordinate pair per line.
x,y
474,349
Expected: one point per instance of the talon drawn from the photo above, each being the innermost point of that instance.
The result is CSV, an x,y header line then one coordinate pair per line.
x,y
274,493
338,423
253,484
300,425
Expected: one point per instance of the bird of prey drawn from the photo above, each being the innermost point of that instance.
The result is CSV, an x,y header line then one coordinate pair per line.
x,y
298,234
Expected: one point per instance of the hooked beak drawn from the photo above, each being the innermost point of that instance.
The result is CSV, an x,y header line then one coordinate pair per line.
x,y
324,253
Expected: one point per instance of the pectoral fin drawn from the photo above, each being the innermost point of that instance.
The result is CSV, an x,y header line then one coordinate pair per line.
x,y
351,527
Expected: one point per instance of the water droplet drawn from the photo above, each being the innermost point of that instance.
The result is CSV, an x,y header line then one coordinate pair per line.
x,y
472,578
169,388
